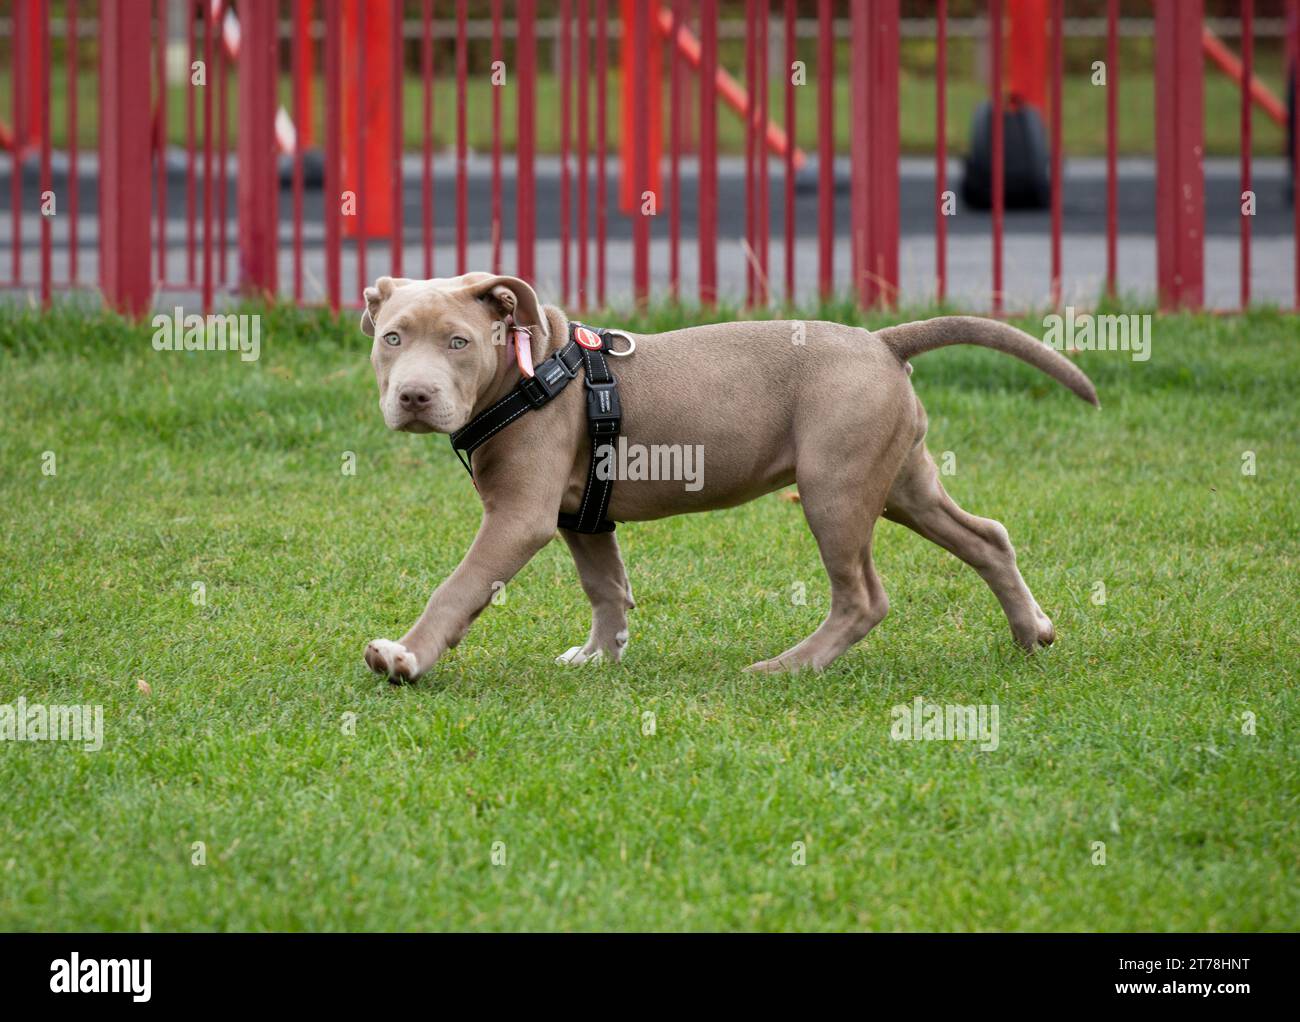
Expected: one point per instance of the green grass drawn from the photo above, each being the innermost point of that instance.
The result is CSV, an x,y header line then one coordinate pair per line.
x,y
1083,105
183,468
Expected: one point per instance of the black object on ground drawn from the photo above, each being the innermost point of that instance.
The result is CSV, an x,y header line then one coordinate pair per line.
x,y
1025,178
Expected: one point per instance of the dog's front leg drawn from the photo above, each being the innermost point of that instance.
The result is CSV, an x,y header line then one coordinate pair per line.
x,y
604,580
507,539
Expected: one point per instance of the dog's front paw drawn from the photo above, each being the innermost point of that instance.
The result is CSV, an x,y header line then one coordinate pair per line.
x,y
575,655
393,660
1034,633
595,652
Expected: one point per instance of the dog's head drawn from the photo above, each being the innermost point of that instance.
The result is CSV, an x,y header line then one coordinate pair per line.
x,y
440,345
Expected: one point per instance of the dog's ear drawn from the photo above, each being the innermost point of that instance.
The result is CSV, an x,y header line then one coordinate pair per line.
x,y
375,297
510,296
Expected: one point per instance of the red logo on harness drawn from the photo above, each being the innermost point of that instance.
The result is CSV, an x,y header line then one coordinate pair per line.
x,y
587,339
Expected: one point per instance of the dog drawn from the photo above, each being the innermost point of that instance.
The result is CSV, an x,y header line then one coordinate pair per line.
x,y
826,406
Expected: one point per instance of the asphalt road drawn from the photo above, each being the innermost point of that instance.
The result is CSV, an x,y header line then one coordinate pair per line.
x,y
1084,199
1026,256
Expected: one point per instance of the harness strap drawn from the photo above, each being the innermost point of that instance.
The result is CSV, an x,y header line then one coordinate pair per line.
x,y
551,377
604,419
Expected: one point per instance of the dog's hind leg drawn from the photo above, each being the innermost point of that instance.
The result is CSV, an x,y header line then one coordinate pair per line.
x,y
604,580
842,518
919,501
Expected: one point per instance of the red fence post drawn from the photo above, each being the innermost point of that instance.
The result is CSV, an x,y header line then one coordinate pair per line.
x,y
74,198
881,127
1057,144
1293,21
941,153
602,87
303,74
675,145
564,81
640,81
426,151
563,76
791,55
825,150
525,188
333,151
160,150
1247,73
498,54
259,184
302,115
642,52
1180,173
1112,145
191,180
762,167
1028,63
17,80
584,118
462,136
209,37
752,146
368,117
859,99
397,134
42,11
125,193
707,161
999,148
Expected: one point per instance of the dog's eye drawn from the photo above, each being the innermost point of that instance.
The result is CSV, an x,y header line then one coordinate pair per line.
x,y
392,339
458,342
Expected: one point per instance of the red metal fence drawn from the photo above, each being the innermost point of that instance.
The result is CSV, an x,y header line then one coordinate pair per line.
x,y
345,58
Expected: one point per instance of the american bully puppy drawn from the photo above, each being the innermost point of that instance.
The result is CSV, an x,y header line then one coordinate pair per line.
x,y
835,414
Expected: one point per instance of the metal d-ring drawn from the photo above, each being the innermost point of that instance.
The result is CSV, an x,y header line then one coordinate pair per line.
x,y
631,344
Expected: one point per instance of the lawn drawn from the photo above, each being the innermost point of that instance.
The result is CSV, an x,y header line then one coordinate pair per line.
x,y
325,798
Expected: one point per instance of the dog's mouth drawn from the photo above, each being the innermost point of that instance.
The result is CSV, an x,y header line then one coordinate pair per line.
x,y
437,419
425,422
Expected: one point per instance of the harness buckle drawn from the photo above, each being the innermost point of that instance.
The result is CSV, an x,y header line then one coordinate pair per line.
x,y
550,378
604,411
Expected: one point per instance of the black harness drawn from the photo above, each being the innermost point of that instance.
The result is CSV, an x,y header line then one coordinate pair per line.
x,y
604,417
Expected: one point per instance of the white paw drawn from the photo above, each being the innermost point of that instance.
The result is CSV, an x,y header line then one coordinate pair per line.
x,y
392,659
574,655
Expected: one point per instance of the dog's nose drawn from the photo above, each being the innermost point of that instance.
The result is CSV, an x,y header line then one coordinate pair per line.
x,y
414,398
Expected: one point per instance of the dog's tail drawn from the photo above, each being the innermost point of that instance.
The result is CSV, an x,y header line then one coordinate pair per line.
x,y
911,339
